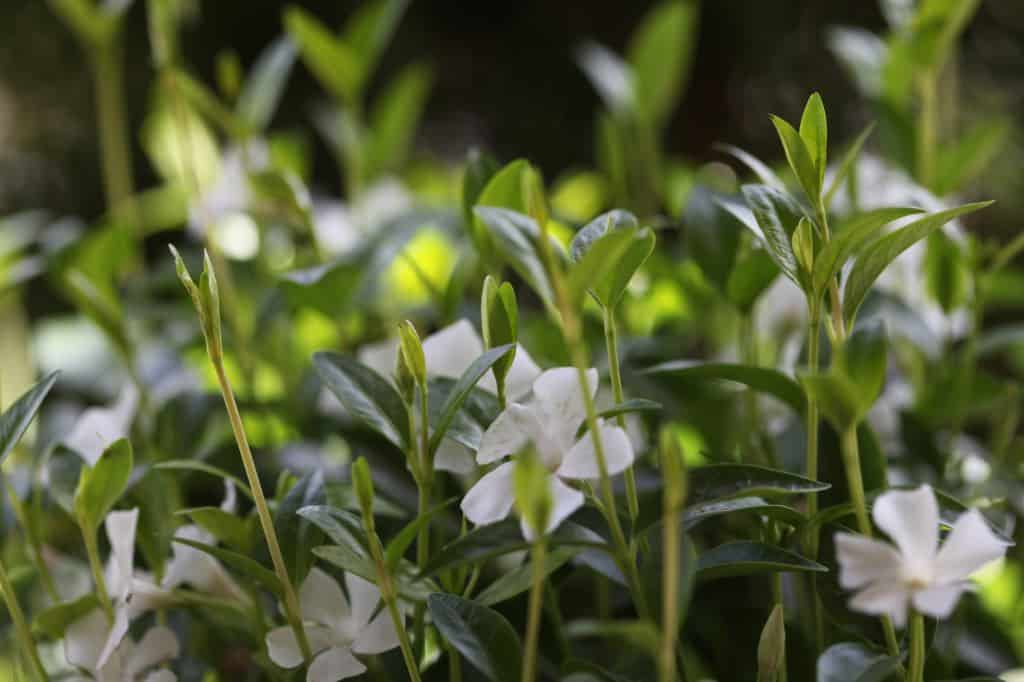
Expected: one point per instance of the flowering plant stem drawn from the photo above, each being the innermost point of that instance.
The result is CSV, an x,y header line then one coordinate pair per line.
x,y
538,556
425,483
291,600
108,78
915,666
92,551
670,595
611,338
811,427
21,628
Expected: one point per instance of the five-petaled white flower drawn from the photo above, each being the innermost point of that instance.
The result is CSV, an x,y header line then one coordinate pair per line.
x,y
131,661
448,353
916,571
337,627
549,422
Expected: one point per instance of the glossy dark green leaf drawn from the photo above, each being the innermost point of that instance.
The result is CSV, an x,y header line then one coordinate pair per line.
x,y
366,394
16,418
697,513
947,271
203,467
605,258
397,546
777,215
751,558
761,379
877,256
519,579
481,635
349,560
101,486
848,238
295,533
712,235
250,568
725,481
851,662
514,236
342,526
461,391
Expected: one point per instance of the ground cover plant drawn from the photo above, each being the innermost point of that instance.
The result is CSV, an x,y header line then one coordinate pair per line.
x,y
653,420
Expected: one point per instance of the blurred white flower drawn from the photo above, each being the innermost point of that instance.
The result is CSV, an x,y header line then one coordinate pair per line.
x,y
131,661
97,428
92,641
550,423
916,572
342,227
449,352
230,193
336,627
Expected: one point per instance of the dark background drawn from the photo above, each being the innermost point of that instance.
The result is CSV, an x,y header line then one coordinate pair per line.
x,y
506,80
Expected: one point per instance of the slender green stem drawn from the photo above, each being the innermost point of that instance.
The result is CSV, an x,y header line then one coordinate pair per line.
x,y
554,611
782,674
92,551
425,491
611,339
538,559
927,127
21,628
291,600
915,666
108,77
670,596
811,427
454,665
22,515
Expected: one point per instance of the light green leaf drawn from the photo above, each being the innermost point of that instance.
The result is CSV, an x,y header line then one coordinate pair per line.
x,y
603,261
514,236
335,64
847,164
814,133
800,159
518,580
838,398
101,486
660,53
394,118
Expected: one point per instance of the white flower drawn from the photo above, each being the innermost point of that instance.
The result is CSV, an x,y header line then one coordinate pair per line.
x,y
230,194
340,227
336,627
449,352
92,641
130,661
916,571
550,423
98,428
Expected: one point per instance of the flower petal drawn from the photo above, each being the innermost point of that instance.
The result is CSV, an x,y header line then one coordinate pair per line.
x,y
84,640
490,500
98,427
864,560
565,501
121,526
380,357
321,599
335,664
940,600
377,637
507,434
118,629
581,460
230,503
911,519
883,598
450,351
969,546
559,397
283,647
364,597
521,375
162,675
454,457
157,646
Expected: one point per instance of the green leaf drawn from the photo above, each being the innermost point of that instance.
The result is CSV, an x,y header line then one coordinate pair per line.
x,y
328,288
371,27
514,235
101,486
862,360
209,105
960,162
519,579
641,634
396,547
630,406
343,527
248,567
660,53
723,481
847,164
751,558
481,635
54,620
605,258
64,470
697,513
800,160
480,168
229,529
777,215
366,394
838,398
347,559
266,83
755,271
814,133
765,174
947,271
499,322
761,379
461,390
334,63
394,118
850,662
712,235
295,533
848,239
1000,338
16,418
877,256
203,467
